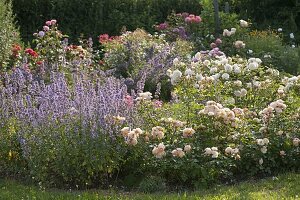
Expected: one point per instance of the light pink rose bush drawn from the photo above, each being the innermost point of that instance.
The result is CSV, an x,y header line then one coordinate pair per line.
x,y
244,124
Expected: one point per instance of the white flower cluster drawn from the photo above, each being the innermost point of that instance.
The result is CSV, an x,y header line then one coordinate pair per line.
x,y
244,24
273,72
233,152
188,132
174,76
228,33
131,136
159,151
263,143
213,152
144,96
290,82
240,93
158,132
253,63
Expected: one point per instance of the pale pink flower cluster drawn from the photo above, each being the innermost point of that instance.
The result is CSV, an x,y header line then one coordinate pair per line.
x,y
230,150
125,131
193,19
238,112
158,132
278,106
205,80
188,132
49,23
173,122
282,153
118,119
178,152
159,151
263,143
131,136
296,142
187,148
281,91
213,152
215,109
228,33
239,44
212,108
267,113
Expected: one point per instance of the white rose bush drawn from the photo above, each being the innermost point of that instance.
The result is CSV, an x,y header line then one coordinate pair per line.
x,y
232,118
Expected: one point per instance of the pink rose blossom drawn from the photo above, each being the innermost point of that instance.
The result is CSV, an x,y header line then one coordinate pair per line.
x,y
198,19
53,22
218,41
46,28
128,100
188,19
48,23
213,45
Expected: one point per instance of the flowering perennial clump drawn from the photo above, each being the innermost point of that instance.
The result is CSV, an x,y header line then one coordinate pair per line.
x,y
213,152
159,151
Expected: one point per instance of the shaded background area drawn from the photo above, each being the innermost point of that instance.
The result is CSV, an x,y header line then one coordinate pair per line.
x,y
94,17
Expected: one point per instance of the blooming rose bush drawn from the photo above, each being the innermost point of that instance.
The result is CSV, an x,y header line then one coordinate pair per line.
x,y
53,53
231,118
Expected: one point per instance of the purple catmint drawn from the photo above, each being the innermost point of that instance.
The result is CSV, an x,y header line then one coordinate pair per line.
x,y
89,106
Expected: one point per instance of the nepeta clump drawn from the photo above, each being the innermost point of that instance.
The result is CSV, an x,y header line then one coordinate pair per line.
x,y
65,133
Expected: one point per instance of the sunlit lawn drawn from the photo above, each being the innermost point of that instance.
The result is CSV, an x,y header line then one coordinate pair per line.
x,y
282,187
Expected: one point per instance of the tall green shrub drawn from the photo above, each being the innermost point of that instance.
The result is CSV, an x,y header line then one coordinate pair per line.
x,y
8,32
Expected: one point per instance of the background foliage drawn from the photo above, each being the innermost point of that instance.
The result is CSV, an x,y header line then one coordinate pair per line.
x,y
93,17
8,32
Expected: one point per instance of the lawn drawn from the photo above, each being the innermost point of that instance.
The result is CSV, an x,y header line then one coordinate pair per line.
x,y
285,186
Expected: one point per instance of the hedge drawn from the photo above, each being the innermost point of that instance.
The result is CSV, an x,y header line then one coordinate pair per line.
x,y
94,17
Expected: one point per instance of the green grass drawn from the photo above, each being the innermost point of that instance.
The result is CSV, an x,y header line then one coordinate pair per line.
x,y
285,186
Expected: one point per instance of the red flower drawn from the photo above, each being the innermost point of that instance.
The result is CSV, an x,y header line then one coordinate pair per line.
x,y
16,48
103,38
39,62
31,52
101,62
73,47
